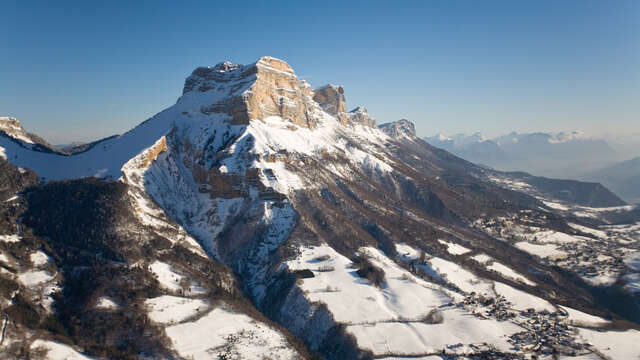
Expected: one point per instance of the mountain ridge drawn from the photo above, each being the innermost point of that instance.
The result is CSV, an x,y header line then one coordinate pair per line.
x,y
622,177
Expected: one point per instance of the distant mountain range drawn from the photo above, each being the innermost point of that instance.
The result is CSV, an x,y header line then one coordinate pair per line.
x,y
569,155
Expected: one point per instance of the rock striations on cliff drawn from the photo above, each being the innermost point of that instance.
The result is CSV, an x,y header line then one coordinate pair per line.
x,y
268,87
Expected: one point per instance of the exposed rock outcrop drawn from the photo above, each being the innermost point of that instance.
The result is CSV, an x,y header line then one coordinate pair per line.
x,y
360,116
331,99
400,128
268,87
12,128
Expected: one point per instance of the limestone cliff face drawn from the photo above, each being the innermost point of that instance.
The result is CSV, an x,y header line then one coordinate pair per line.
x,y
331,99
268,87
278,92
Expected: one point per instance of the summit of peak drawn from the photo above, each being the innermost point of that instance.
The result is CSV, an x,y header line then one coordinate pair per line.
x,y
12,127
271,63
225,66
9,121
205,78
268,87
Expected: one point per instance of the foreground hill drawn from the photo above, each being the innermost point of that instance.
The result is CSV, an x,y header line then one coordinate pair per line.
x,y
348,240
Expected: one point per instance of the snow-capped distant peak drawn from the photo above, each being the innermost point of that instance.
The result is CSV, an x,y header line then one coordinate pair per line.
x,y
563,136
464,139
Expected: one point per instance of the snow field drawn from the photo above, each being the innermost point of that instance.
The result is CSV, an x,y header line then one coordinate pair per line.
x,y
509,273
420,338
57,351
482,258
556,206
521,300
169,309
597,233
275,135
555,237
542,251
222,331
454,249
171,280
10,238
614,344
39,258
461,277
106,304
34,277
469,282
352,299
407,252
389,320
579,318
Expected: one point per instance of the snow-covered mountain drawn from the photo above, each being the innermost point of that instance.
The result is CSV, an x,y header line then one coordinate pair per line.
x,y
11,128
258,217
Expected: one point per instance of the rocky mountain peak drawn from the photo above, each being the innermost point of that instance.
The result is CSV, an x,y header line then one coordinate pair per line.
x,y
331,99
12,127
268,87
360,116
400,128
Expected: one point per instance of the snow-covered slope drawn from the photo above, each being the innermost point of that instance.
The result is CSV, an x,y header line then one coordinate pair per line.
x,y
12,128
359,241
92,269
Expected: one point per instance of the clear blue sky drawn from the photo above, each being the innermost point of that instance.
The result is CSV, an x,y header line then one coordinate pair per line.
x,y
80,70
